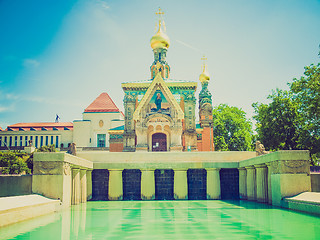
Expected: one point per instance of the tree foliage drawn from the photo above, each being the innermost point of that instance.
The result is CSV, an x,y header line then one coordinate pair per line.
x,y
278,122
232,131
292,119
13,163
306,91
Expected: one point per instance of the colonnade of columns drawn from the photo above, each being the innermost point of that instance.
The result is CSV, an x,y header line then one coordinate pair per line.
x,y
255,183
81,185
148,184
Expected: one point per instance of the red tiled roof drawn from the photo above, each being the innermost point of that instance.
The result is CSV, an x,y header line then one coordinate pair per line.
x,y
38,126
103,103
1,129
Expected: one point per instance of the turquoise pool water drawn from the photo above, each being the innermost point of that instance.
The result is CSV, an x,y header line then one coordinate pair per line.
x,y
169,220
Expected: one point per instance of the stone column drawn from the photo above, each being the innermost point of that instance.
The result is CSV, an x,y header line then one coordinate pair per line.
x,y
147,185
83,185
213,183
76,190
242,183
115,184
251,183
89,184
262,182
180,184
269,183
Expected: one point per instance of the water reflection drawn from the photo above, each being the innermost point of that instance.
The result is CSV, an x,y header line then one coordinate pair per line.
x,y
176,220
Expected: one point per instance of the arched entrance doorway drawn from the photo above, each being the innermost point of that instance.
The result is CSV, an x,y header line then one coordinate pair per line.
x,y
159,142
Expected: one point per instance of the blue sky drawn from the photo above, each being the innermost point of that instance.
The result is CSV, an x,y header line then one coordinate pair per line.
x,y
58,56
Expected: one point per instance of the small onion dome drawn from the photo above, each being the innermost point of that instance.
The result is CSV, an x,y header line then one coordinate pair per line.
x,y
160,40
204,76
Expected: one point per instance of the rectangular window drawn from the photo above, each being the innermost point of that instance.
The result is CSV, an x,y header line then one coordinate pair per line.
x,y
0,141
41,141
26,141
47,140
5,141
101,140
21,141
16,141
52,140
10,141
36,142
57,141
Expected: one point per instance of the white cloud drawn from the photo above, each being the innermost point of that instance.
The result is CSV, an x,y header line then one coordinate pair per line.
x,y
11,96
6,109
31,63
3,109
103,4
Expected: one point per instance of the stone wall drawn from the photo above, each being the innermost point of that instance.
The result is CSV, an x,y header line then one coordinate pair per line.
x,y
15,185
62,176
147,176
275,176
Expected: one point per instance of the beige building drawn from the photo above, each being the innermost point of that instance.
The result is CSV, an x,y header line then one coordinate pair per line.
x,y
91,132
100,116
17,136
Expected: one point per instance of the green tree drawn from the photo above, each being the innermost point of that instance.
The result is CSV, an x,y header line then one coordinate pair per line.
x,y
279,122
232,130
13,163
306,91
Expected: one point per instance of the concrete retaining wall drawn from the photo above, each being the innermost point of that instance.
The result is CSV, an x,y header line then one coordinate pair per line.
x,y
15,185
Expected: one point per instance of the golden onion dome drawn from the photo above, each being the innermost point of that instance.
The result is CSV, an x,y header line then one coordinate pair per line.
x,y
204,76
160,40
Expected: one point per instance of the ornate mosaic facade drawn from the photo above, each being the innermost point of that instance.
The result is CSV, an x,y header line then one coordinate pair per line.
x,y
160,111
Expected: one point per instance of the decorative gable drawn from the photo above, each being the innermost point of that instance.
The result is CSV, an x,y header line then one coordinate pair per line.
x,y
158,84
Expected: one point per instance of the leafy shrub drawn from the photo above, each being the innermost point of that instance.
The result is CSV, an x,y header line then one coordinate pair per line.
x,y
13,164
50,148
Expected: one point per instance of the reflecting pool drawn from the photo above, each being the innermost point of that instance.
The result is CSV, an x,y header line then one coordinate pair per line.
x,y
168,220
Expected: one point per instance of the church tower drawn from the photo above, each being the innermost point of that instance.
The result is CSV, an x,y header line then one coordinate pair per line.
x,y
205,110
160,111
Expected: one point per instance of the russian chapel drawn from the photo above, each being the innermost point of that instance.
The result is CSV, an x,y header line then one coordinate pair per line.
x,y
160,113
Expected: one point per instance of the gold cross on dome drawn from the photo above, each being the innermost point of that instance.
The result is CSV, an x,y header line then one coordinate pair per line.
x,y
159,13
204,59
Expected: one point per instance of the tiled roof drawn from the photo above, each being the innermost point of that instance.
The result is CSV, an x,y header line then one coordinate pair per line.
x,y
40,126
103,103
